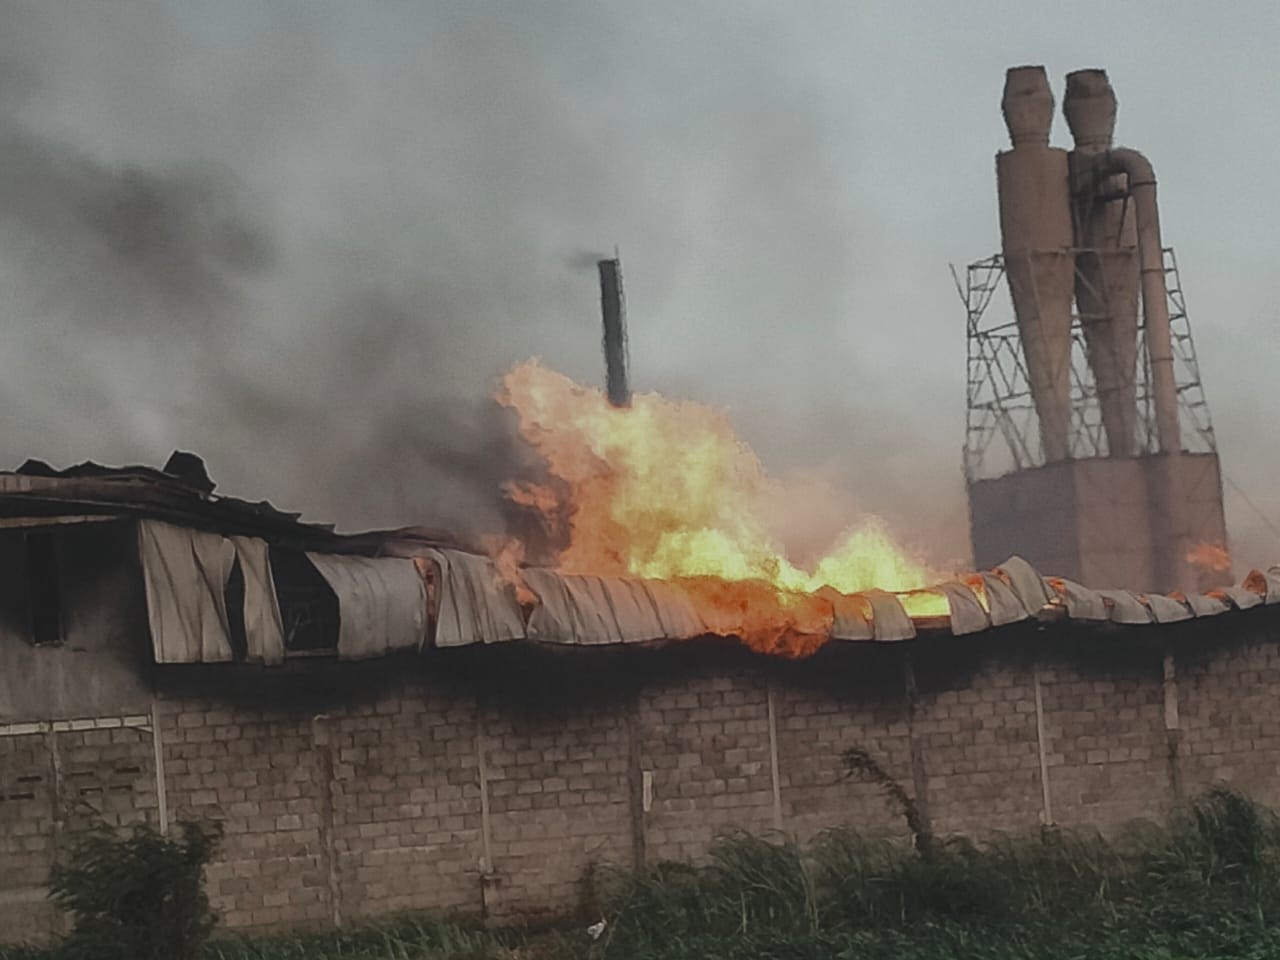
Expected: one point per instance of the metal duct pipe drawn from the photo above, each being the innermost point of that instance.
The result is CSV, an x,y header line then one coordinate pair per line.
x,y
1107,275
1036,238
1168,506
1155,305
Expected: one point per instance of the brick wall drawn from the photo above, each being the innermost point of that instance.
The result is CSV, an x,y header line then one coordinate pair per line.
x,y
56,781
28,831
705,745
976,732
406,811
559,801
256,773
1229,710
492,781
824,709
1106,739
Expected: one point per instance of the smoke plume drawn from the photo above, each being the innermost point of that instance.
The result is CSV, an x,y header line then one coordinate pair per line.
x,y
305,239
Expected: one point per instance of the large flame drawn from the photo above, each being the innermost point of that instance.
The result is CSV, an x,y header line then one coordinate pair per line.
x,y
666,489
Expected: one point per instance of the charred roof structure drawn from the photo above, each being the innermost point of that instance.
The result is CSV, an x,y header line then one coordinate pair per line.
x,y
389,721
91,553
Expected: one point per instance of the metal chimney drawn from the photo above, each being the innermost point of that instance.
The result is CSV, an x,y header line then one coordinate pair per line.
x,y
615,332
1107,277
1036,232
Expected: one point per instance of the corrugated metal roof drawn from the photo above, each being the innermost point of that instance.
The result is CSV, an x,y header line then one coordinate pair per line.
x,y
1167,609
966,613
1265,583
90,491
593,611
1002,603
472,602
589,610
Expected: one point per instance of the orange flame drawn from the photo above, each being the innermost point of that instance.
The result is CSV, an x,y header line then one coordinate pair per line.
x,y
666,489
1210,557
507,555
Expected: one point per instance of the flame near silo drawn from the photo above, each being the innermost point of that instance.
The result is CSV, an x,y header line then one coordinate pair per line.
x,y
666,489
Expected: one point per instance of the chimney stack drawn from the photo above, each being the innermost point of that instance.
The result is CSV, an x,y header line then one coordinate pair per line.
x,y
615,332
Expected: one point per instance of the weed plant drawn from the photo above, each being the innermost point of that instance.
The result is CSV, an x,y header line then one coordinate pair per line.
x,y
1204,885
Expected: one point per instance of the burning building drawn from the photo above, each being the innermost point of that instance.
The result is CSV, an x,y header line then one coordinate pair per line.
x,y
389,721
396,721
1090,450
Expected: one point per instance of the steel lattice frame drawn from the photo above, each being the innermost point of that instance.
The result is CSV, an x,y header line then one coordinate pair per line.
x,y
1002,431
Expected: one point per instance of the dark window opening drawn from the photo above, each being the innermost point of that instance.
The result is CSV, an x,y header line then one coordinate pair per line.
x,y
44,589
233,595
308,606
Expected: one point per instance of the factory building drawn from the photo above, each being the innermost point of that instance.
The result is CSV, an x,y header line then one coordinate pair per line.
x,y
384,723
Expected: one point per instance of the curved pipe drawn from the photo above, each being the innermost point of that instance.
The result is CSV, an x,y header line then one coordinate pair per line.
x,y
1168,507
1155,306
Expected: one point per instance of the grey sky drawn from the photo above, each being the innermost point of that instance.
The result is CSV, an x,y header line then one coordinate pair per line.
x,y
303,238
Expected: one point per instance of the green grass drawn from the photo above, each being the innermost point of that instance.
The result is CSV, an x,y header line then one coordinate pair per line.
x,y
1205,885
408,940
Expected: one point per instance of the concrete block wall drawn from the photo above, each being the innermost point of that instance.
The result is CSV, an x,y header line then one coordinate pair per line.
x,y
559,802
56,782
819,717
255,772
705,745
442,792
405,804
28,836
1229,714
1107,747
978,745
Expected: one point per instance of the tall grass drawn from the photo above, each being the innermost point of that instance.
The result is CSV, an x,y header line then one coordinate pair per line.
x,y
1206,884
406,940
1210,877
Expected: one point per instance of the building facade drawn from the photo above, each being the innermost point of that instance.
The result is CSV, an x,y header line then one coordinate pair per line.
x,y
484,756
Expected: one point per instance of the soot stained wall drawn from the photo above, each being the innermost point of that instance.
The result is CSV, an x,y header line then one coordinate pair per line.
x,y
102,664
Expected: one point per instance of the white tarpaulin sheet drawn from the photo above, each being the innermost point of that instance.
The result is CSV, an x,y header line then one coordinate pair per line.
x,y
475,604
264,633
1081,602
888,619
1125,607
852,615
590,610
967,615
1166,609
1205,606
678,614
1002,603
382,603
185,574
1265,584
1027,584
1241,598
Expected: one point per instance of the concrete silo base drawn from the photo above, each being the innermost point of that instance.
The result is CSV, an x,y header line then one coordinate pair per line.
x,y
1099,521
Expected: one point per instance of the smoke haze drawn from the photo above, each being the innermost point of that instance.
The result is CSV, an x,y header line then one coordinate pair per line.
x,y
304,239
